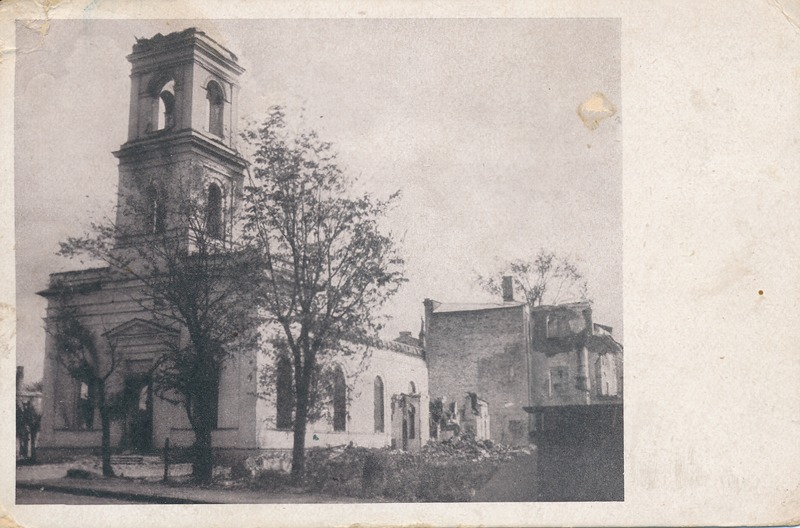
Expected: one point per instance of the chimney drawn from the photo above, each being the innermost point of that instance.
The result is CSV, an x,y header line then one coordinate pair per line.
x,y
508,289
20,377
405,334
429,304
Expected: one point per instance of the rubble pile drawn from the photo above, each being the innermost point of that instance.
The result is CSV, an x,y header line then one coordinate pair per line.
x,y
338,470
466,447
442,471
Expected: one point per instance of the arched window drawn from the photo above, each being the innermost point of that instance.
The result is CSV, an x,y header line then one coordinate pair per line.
x,y
216,102
285,400
155,211
214,211
339,401
166,106
379,406
412,421
412,389
86,405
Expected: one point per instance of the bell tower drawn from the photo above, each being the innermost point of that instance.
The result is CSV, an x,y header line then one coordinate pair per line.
x,y
181,136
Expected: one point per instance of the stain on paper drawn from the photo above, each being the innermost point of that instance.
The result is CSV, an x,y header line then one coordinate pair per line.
x,y
6,521
38,21
595,109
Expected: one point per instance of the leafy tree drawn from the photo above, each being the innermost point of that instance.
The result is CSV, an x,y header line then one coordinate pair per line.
x,y
87,359
546,279
326,264
190,275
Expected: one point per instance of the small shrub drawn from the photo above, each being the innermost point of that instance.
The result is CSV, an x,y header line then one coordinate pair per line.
x,y
78,473
241,470
272,480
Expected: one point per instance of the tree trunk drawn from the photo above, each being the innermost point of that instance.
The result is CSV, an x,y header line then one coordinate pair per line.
x,y
203,460
33,447
299,444
105,424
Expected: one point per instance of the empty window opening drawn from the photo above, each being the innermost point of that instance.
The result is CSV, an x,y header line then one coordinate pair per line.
x,y
559,380
557,326
216,103
166,106
86,404
214,211
155,211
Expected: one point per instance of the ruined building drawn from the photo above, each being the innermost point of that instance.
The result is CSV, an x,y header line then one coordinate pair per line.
x,y
576,364
547,367
481,348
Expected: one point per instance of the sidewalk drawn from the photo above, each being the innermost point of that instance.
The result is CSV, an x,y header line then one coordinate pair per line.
x,y
161,493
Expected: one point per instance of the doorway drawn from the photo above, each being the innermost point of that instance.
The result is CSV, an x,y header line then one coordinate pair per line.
x,y
406,422
138,425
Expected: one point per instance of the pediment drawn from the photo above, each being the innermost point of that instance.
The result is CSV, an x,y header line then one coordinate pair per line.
x,y
139,328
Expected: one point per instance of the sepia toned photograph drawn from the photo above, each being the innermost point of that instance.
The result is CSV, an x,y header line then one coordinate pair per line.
x,y
290,261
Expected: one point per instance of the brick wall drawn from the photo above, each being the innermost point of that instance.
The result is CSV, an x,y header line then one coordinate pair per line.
x,y
482,351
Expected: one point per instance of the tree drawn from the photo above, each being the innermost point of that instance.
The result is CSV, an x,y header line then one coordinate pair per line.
x,y
546,279
22,430
32,423
29,421
191,276
89,360
326,264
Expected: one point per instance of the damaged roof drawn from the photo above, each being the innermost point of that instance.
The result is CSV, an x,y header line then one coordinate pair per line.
x,y
473,307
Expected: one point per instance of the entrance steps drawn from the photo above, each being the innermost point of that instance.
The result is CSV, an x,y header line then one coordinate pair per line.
x,y
135,459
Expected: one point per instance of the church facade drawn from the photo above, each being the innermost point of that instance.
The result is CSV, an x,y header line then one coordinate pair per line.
x,y
181,138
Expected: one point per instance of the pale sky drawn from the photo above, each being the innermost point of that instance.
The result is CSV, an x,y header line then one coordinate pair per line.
x,y
475,120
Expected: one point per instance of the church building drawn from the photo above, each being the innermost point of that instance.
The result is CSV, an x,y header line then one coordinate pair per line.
x,y
181,138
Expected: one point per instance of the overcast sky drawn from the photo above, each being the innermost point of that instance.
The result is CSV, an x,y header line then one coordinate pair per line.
x,y
474,120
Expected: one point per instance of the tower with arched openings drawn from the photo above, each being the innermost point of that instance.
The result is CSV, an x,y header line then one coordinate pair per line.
x,y
181,135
